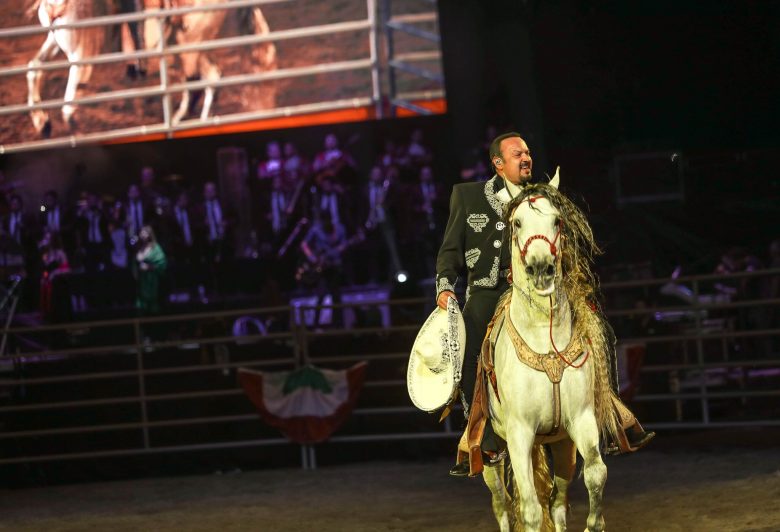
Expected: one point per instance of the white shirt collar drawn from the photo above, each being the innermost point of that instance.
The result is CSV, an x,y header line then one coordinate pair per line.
x,y
509,191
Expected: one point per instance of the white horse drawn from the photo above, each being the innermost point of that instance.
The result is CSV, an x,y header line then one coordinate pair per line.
x,y
551,325
80,43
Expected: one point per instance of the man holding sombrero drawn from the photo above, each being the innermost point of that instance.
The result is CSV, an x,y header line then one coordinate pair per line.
x,y
476,239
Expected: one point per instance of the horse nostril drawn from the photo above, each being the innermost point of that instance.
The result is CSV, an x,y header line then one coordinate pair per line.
x,y
550,270
529,270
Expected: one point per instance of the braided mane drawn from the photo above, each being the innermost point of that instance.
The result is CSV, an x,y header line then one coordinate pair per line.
x,y
580,284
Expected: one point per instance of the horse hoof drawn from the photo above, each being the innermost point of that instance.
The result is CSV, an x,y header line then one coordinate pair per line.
x,y
73,126
46,130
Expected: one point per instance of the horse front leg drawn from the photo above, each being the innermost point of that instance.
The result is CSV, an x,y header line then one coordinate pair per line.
x,y
501,502
189,62
564,461
40,117
520,440
76,74
208,71
585,434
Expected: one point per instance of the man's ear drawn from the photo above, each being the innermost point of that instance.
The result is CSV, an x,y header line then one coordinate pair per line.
x,y
497,162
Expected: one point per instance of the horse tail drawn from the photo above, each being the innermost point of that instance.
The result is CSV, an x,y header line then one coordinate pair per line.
x,y
543,483
258,95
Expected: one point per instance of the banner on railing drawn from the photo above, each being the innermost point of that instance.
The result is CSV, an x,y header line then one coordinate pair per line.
x,y
307,405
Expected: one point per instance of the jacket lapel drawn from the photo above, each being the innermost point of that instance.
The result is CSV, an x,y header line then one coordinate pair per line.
x,y
492,187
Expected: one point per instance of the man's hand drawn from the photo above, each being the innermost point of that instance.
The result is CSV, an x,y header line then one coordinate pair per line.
x,y
443,297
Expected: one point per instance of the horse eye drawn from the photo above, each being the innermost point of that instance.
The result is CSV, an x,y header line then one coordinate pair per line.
x,y
517,224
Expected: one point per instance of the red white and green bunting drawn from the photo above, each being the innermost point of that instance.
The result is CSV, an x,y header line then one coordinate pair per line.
x,y
306,405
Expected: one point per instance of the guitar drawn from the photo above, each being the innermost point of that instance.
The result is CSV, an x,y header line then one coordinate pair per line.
x,y
309,272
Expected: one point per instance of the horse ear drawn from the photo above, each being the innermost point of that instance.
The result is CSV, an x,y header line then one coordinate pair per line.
x,y
556,180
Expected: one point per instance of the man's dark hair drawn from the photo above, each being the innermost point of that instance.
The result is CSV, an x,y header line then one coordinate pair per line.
x,y
495,146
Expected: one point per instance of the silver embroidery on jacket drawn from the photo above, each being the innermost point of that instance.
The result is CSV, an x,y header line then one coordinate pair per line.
x,y
492,279
477,221
472,256
442,284
490,194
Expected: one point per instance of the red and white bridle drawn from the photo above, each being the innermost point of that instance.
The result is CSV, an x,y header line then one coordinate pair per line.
x,y
553,247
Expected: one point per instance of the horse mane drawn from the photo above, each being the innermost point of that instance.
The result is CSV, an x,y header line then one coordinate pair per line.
x,y
581,286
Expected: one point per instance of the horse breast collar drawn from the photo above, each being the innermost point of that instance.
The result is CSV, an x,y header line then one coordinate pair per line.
x,y
550,363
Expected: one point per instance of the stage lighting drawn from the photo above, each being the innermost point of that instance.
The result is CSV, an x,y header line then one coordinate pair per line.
x,y
401,276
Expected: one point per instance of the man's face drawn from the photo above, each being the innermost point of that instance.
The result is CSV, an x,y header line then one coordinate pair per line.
x,y
376,175
273,150
147,176
331,142
210,191
517,163
133,193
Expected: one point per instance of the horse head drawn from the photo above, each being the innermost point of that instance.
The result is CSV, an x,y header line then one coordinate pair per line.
x,y
552,242
536,230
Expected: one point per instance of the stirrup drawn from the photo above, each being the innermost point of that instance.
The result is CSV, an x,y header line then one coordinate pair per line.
x,y
624,444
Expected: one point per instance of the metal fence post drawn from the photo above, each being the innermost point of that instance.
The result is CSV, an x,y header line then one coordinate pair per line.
x,y
166,99
389,51
705,404
373,38
139,349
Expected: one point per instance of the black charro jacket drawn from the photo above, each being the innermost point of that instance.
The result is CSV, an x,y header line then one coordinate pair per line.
x,y
475,239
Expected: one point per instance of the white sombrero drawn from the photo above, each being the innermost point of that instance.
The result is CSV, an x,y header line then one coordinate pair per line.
x,y
436,361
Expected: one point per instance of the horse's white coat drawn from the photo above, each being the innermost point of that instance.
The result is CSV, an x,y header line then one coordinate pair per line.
x,y
526,403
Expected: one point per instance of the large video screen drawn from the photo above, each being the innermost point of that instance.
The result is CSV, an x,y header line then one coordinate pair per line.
x,y
247,63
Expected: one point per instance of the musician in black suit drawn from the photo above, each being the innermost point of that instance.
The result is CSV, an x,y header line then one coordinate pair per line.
x,y
424,221
19,225
380,248
18,249
185,266
477,240
94,238
138,212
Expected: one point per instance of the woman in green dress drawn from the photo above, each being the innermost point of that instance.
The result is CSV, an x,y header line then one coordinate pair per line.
x,y
151,267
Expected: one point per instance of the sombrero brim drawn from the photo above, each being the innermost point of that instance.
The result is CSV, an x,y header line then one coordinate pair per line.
x,y
430,389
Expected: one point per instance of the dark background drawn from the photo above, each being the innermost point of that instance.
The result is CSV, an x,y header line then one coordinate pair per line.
x,y
585,81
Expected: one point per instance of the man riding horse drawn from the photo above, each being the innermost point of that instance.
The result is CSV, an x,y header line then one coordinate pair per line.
x,y
477,239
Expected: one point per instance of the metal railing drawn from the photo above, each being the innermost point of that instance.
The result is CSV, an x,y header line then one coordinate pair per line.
x,y
165,89
111,380
418,64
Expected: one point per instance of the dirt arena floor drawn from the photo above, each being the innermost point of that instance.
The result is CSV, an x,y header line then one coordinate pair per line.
x,y
666,488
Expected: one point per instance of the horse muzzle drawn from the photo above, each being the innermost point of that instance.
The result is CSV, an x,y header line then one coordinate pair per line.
x,y
541,272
